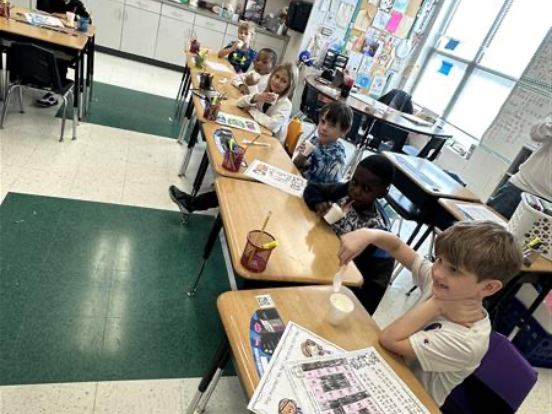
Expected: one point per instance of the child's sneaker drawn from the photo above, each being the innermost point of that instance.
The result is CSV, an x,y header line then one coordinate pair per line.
x,y
181,199
47,100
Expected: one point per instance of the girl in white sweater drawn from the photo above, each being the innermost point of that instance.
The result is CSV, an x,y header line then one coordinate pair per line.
x,y
272,108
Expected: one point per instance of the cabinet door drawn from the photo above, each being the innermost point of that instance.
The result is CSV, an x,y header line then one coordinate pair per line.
x,y
107,16
139,32
172,39
209,38
21,3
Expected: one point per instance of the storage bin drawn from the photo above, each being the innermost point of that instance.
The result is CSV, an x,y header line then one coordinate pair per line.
x,y
528,223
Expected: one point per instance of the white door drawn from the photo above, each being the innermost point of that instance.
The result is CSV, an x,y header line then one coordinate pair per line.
x,y
139,32
107,16
172,38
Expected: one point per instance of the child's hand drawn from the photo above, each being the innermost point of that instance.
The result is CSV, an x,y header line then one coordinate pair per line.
x,y
243,89
463,312
322,208
266,97
352,244
251,79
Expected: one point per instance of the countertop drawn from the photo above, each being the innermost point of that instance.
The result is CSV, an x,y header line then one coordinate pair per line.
x,y
197,10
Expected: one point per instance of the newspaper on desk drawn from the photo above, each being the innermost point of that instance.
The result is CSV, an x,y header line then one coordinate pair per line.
x,y
275,177
354,382
297,343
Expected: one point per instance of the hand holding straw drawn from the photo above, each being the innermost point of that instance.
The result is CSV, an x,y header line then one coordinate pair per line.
x,y
338,279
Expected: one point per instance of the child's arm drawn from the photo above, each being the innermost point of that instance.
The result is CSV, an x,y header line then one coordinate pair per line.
x,y
228,49
277,119
396,337
300,160
319,197
542,130
353,243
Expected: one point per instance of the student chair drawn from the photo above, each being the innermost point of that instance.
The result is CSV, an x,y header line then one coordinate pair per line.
x,y
430,151
33,67
499,385
401,101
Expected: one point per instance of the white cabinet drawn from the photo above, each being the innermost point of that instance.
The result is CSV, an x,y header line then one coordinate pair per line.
x,y
278,45
211,24
178,14
172,38
21,3
139,32
148,5
107,16
209,38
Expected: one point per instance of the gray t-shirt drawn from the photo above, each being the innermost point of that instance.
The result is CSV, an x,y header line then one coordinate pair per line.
x,y
446,352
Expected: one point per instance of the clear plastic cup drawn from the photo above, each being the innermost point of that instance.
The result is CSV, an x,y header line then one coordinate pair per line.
x,y
335,214
70,19
233,158
255,257
341,306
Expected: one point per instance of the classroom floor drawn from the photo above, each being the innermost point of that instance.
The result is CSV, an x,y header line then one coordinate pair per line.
x,y
95,263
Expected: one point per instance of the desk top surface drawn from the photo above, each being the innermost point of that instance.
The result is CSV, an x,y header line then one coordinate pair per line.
x,y
307,306
307,246
228,105
430,178
273,155
18,25
392,117
541,265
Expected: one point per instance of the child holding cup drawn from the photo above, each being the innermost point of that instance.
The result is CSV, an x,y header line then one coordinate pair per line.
x,y
239,52
354,205
321,159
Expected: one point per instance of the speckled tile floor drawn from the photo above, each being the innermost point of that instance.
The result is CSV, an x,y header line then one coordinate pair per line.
x,y
129,168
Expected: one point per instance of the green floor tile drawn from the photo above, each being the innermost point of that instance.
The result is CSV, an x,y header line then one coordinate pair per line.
x,y
97,292
132,110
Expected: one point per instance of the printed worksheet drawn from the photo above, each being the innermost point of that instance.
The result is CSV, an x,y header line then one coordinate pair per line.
x,y
274,389
43,20
234,121
475,212
275,177
219,67
356,382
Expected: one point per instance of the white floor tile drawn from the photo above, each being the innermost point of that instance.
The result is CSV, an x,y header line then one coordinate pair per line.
x,y
77,398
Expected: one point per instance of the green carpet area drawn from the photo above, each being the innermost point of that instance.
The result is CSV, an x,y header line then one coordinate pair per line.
x,y
124,108
94,292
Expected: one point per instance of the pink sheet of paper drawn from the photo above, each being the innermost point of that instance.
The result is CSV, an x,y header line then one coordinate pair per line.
x,y
393,22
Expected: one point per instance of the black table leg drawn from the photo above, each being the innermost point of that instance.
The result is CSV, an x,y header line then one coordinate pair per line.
x,y
211,377
200,174
211,240
191,144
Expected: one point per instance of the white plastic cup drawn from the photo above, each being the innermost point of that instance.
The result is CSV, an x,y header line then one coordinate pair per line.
x,y
239,44
70,18
309,148
341,306
334,214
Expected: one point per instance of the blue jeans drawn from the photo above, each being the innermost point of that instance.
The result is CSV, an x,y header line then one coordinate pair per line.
x,y
506,200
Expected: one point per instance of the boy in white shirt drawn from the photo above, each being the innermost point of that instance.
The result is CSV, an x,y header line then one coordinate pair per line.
x,y
445,335
256,79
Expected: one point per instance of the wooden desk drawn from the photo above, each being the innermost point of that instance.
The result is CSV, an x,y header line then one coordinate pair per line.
x,y
212,56
275,155
429,177
306,306
307,246
73,43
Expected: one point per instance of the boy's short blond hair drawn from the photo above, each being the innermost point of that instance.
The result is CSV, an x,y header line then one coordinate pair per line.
x,y
484,248
250,27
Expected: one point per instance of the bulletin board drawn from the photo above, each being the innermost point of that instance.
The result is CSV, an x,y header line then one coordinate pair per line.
x,y
385,33
529,101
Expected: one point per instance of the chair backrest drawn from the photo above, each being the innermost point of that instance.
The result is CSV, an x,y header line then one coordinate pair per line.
x,y
34,66
400,100
502,381
432,149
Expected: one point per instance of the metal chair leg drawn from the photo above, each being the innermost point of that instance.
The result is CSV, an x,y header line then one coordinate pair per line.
x,y
6,105
63,118
21,100
75,116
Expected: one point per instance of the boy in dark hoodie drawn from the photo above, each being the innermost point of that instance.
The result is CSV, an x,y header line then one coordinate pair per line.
x,y
371,181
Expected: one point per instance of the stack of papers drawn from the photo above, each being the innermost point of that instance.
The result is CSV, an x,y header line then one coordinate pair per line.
x,y
308,374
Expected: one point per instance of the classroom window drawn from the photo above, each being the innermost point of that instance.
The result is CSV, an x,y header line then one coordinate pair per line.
x,y
481,50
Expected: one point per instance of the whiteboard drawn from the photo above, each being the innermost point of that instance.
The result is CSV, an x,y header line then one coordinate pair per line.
x,y
529,101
